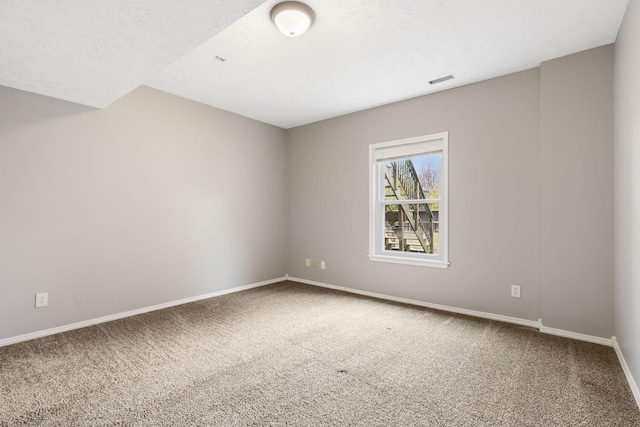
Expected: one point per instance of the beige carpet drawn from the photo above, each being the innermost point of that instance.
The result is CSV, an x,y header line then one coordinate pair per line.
x,y
291,354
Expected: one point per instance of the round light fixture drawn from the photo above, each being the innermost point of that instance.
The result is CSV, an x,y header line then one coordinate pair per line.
x,y
292,18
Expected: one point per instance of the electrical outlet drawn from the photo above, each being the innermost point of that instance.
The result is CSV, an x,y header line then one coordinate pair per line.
x,y
307,262
42,300
315,263
515,291
323,265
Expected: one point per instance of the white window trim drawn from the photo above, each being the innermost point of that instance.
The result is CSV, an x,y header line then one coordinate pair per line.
x,y
437,142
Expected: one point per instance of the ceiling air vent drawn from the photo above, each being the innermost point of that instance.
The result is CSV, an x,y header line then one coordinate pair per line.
x,y
441,79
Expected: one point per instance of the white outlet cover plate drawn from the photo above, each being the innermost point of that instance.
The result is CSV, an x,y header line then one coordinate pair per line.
x,y
515,291
42,300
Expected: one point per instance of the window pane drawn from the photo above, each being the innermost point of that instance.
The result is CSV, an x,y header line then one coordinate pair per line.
x,y
411,227
428,169
414,178
389,191
434,209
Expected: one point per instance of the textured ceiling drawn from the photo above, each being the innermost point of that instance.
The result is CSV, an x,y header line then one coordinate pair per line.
x,y
94,52
358,54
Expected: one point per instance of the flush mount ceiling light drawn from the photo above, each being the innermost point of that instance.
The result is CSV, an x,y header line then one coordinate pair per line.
x,y
292,18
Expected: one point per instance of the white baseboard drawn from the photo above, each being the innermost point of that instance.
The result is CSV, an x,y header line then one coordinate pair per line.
x,y
491,316
574,335
627,371
91,322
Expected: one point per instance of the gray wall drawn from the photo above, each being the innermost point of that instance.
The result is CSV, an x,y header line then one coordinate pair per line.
x,y
157,198
627,188
151,200
500,231
494,207
576,127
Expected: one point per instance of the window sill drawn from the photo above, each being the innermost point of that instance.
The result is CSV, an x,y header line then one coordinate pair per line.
x,y
410,261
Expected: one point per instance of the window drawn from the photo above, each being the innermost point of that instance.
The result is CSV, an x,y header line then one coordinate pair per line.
x,y
408,201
